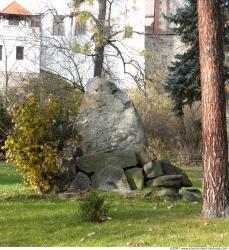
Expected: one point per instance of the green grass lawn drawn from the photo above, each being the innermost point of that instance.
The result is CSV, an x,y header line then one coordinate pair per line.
x,y
196,177
27,219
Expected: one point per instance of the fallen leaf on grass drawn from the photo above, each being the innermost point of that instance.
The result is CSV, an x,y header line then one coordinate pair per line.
x,y
141,243
90,234
87,236
129,243
205,223
105,218
169,207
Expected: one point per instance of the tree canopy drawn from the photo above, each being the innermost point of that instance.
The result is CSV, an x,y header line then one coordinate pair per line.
x,y
183,82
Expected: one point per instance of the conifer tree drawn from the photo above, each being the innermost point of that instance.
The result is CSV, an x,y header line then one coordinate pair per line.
x,y
183,82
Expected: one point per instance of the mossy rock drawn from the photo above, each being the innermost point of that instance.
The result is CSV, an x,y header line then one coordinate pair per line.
x,y
135,178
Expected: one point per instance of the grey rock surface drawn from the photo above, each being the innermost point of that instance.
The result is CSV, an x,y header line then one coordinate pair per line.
x,y
190,196
144,155
193,190
107,119
135,178
96,162
169,169
81,183
153,169
174,181
111,179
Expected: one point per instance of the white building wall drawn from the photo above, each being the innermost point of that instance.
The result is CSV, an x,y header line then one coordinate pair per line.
x,y
124,13
22,36
54,53
58,55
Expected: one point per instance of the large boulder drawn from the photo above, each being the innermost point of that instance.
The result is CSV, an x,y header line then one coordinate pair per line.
x,y
143,153
111,179
174,181
96,162
153,169
81,183
169,169
107,120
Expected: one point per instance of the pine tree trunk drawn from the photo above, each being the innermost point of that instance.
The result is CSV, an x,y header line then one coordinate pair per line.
x,y
215,149
99,48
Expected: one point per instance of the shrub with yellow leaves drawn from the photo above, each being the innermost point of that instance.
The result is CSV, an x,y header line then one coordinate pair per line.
x,y
32,145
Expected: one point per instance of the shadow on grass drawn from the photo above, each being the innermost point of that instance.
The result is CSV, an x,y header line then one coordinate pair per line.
x,y
9,179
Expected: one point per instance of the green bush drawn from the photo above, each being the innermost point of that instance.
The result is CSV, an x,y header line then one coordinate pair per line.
x,y
94,208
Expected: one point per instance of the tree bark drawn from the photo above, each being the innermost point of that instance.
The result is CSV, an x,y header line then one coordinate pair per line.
x,y
99,48
7,80
213,106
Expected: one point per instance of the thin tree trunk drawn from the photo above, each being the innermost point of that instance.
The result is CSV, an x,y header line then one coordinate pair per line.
x,y
6,91
6,82
99,47
215,149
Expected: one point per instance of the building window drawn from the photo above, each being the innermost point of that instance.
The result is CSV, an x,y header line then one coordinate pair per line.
x,y
58,25
0,52
80,28
14,20
19,53
35,21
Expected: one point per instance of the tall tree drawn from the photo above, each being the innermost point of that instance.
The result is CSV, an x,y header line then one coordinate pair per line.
x,y
99,45
107,44
215,151
183,82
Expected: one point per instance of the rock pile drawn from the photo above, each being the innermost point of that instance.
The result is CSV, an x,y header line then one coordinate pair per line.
x,y
115,156
167,178
108,174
